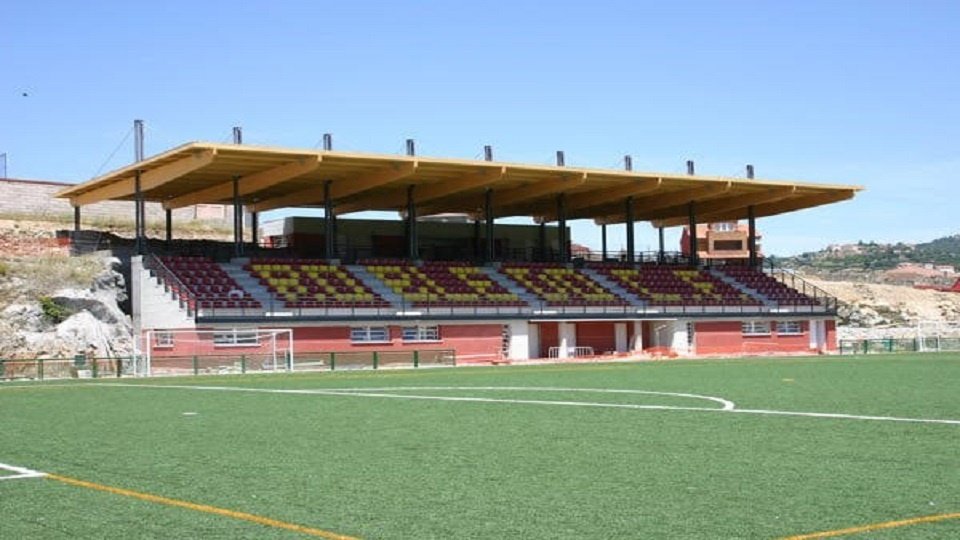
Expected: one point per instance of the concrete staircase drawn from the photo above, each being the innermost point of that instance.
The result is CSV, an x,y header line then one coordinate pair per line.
x,y
159,307
511,286
247,282
741,287
376,285
613,286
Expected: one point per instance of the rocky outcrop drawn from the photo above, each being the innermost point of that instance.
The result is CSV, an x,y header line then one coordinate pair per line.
x,y
71,321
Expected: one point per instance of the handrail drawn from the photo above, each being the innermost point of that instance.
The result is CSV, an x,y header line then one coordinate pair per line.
x,y
153,263
806,288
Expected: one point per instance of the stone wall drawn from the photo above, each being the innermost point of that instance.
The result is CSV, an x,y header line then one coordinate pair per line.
x,y
23,198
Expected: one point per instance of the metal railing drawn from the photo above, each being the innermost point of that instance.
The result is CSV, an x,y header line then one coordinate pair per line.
x,y
899,345
172,284
78,367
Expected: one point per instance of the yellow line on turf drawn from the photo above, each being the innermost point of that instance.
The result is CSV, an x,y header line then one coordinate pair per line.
x,y
875,526
260,520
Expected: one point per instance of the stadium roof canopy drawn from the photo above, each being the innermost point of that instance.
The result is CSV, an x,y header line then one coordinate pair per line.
x,y
270,178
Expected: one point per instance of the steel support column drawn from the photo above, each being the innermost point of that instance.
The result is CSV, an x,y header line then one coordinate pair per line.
x,y
328,232
752,236
168,223
489,253
413,248
76,218
631,246
237,219
603,242
137,214
692,223
255,229
564,254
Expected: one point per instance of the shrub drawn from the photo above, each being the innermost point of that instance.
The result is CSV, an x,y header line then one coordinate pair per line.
x,y
53,311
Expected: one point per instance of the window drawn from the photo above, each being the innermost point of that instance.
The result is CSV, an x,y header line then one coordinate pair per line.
x,y
789,327
421,333
755,328
728,245
163,339
369,334
724,226
236,338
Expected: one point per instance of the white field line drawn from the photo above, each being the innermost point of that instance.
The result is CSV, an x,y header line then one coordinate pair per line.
x,y
20,472
728,406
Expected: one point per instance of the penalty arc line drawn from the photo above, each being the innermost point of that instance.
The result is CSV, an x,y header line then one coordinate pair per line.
x,y
726,409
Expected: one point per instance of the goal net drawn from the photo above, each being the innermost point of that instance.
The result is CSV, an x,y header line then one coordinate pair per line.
x,y
938,336
198,352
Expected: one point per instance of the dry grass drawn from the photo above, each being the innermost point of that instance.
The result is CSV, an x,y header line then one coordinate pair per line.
x,y
34,277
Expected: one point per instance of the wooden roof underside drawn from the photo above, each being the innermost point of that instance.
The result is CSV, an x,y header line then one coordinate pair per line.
x,y
270,178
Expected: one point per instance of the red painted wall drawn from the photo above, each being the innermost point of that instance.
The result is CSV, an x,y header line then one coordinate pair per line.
x,y
549,337
472,342
599,335
726,337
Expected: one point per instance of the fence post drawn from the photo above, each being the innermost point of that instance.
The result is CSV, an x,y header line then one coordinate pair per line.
x,y
40,368
416,359
243,363
93,367
333,361
889,345
120,366
376,359
2,361
196,365
866,346
454,358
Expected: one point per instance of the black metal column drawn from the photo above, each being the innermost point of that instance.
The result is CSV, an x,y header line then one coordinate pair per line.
x,y
692,223
76,218
413,248
631,246
477,247
661,255
168,222
564,254
328,232
542,238
489,252
603,242
255,229
237,219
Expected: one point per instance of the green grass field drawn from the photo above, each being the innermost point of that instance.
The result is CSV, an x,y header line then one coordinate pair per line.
x,y
500,459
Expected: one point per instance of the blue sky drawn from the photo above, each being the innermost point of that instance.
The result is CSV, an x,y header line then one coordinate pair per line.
x,y
841,92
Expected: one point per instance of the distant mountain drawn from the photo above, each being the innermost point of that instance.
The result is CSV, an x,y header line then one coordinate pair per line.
x,y
872,256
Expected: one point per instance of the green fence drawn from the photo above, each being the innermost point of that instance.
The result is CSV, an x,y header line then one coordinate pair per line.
x,y
78,367
81,367
899,345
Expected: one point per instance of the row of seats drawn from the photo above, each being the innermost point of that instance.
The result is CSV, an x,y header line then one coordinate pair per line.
x,y
662,285
307,283
447,284
208,285
559,285
768,286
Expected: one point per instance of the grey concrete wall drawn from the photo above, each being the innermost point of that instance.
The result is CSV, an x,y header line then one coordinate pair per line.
x,y
36,198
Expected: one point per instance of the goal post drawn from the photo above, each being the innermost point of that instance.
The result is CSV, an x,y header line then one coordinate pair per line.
x,y
188,351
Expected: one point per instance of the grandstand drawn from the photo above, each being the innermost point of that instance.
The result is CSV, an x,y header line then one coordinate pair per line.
x,y
447,276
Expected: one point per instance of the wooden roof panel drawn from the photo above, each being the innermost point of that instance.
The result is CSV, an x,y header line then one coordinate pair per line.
x,y
275,177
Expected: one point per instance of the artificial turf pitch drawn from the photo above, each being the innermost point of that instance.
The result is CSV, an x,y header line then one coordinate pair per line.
x,y
380,467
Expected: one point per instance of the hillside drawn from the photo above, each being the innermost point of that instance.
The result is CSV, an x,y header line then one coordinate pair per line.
x,y
866,259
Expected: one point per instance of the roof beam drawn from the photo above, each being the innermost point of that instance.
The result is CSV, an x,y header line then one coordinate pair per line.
x,y
605,197
617,194
516,201
249,184
149,179
341,188
707,210
789,205
429,192
644,205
